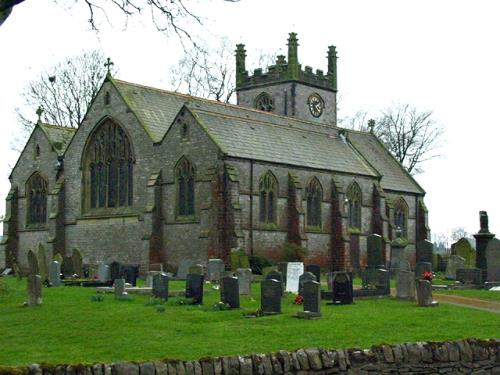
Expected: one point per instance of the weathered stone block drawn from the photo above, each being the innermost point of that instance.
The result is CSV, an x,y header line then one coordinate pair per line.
x,y
314,359
147,368
303,360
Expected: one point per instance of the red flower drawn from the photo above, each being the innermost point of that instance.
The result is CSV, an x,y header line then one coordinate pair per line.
x,y
427,276
299,300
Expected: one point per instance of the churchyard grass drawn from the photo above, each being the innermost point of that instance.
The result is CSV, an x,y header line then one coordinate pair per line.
x,y
473,293
71,328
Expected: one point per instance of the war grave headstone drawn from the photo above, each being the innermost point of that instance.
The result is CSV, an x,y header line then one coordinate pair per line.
x,y
55,274
306,276
342,291
270,296
183,269
493,260
34,290
229,292
315,270
67,268
464,249
196,269
454,262
312,300
43,263
244,276
424,251
405,285
214,269
33,263
160,285
130,273
282,267
194,288
293,272
149,278
374,251
424,294
422,267
103,273
469,276
115,270
77,263
119,285
276,275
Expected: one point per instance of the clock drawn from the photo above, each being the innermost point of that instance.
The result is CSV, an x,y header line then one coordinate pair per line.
x,y
316,105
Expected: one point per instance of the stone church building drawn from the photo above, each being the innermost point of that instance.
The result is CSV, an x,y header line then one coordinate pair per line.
x,y
154,177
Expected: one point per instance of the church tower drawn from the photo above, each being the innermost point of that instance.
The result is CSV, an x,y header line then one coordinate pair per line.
x,y
287,89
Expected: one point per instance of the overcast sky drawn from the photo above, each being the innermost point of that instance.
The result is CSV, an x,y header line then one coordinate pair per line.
x,y
442,56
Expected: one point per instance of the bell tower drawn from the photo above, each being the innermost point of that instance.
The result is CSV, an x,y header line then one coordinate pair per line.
x,y
287,89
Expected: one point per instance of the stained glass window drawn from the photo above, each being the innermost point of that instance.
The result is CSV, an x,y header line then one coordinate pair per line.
x,y
36,189
354,197
185,188
314,197
268,188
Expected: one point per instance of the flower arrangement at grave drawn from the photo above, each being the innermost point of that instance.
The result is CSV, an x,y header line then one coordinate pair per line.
x,y
299,300
427,276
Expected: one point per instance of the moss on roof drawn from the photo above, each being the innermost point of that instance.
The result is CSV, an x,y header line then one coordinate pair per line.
x,y
58,136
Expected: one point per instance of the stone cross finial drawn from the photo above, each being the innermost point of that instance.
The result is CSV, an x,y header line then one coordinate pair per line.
x,y
108,64
39,112
371,124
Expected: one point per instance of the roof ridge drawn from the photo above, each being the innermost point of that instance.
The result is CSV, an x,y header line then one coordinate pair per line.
x,y
253,110
60,127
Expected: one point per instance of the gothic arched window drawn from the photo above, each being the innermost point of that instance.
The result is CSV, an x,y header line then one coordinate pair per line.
x,y
264,102
184,174
354,198
109,168
268,193
401,216
36,193
314,196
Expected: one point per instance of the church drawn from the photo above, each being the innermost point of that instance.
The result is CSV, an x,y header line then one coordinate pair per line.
x,y
153,177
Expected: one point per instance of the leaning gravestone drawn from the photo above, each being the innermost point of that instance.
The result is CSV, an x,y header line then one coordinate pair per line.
x,y
342,293
42,262
103,273
183,269
119,285
405,285
493,260
464,249
34,268
293,272
454,262
194,288
315,270
374,252
422,267
270,296
424,251
424,294
77,262
215,268
55,274
160,285
244,276
312,300
469,276
306,276
229,292
34,290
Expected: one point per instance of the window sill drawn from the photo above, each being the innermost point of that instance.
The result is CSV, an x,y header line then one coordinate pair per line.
x,y
35,228
314,229
268,226
188,219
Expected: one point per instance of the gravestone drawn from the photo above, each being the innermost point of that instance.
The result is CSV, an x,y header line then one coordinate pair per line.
x,y
312,300
33,263
149,278
493,260
424,294
183,269
196,269
34,290
329,281
130,273
119,285
276,275
306,276
399,260
55,274
454,262
377,278
464,249
293,272
43,263
229,292
160,285
7,271
441,263
244,276
58,258
469,276
282,267
374,251
342,293
215,268
115,270
422,267
266,270
270,296
67,267
103,273
315,270
405,285
194,288
77,263
424,251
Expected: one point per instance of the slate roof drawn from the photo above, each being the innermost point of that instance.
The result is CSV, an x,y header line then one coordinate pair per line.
x,y
58,136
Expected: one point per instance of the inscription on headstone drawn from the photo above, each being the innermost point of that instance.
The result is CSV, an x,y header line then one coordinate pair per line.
x,y
293,272
229,292
270,297
67,267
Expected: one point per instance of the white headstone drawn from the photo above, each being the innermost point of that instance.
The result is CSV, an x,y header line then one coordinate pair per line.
x,y
103,273
244,276
55,273
293,272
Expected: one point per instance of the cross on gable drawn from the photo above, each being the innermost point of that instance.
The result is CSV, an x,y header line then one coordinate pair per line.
x,y
39,112
108,64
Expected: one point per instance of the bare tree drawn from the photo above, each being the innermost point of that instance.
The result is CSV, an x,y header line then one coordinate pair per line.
x,y
358,121
458,233
64,91
210,72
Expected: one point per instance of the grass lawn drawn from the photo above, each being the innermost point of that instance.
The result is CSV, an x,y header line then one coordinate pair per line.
x,y
70,328
472,293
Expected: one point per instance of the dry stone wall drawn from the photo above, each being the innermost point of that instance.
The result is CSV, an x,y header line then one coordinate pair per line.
x,y
470,356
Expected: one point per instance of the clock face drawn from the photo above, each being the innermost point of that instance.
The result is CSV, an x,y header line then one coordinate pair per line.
x,y
316,105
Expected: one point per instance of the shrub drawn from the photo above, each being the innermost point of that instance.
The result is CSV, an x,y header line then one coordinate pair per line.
x,y
258,263
293,253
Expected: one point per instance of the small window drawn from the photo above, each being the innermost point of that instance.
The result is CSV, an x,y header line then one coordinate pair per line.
x,y
314,196
264,102
184,130
107,98
37,151
268,193
184,172
401,216
36,192
354,198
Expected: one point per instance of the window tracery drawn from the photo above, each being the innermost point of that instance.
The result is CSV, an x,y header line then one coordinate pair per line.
x,y
355,198
314,196
268,192
36,188
264,102
185,187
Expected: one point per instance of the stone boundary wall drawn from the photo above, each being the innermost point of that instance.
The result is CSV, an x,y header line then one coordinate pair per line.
x,y
469,356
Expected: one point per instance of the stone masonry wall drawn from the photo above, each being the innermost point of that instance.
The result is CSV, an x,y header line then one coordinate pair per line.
x,y
468,356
